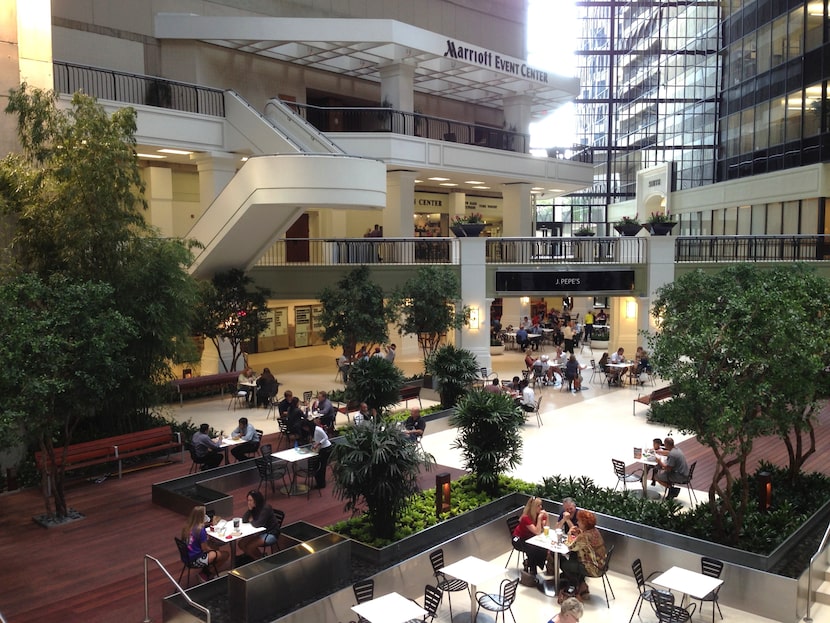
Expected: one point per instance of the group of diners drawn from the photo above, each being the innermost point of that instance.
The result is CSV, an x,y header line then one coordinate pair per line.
x,y
561,367
345,361
259,388
209,449
616,367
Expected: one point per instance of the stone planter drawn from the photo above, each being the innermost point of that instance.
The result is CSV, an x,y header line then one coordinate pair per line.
x,y
660,229
628,230
467,230
496,350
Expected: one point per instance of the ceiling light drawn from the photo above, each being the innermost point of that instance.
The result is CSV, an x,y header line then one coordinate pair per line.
x,y
447,184
419,181
473,182
537,188
154,156
439,179
177,152
555,190
481,187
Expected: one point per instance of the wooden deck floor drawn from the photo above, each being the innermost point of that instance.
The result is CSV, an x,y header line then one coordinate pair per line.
x,y
92,570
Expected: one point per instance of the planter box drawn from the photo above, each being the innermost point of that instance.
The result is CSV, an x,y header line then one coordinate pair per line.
x,y
497,350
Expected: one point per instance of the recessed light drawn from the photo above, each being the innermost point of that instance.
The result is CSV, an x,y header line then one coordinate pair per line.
x,y
439,179
419,181
537,188
153,156
177,152
481,187
555,190
447,184
473,182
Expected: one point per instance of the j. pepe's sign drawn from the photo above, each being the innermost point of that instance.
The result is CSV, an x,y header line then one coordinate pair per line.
x,y
514,281
491,60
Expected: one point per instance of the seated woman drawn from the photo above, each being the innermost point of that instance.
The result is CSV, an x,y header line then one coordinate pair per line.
x,y
586,541
570,611
531,522
573,373
196,538
260,515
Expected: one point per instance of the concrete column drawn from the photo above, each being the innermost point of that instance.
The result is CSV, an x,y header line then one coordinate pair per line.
x,y
160,199
474,295
457,204
397,85
399,213
660,272
216,169
517,113
518,210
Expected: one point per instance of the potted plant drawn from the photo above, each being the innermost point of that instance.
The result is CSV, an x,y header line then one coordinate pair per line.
x,y
659,224
628,226
468,225
600,337
454,370
584,230
496,346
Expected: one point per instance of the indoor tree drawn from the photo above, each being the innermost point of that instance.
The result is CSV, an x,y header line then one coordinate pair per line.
x,y
454,369
376,382
354,312
232,309
488,436
426,306
745,351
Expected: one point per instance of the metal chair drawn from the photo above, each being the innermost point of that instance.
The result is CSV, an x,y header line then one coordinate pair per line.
x,y
274,530
269,472
285,433
604,575
499,602
646,590
667,611
538,414
432,599
364,591
307,396
712,568
447,585
239,398
197,462
307,472
188,564
687,483
518,546
625,477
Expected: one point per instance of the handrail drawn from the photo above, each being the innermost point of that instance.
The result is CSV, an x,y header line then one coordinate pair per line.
x,y
822,546
179,589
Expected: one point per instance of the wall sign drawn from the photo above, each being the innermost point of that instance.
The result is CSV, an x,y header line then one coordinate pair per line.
x,y
529,282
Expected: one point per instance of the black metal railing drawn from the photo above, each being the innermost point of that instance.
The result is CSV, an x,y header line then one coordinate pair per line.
x,y
801,248
319,252
575,250
118,86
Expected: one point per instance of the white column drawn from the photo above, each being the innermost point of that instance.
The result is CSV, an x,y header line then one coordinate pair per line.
x,y
397,85
518,210
517,113
660,272
216,169
399,213
457,204
473,295
160,199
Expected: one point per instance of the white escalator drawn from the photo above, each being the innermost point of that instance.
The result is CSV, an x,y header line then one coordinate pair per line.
x,y
295,168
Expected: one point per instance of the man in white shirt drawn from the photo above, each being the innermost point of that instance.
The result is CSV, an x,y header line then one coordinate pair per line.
x,y
615,374
322,446
528,402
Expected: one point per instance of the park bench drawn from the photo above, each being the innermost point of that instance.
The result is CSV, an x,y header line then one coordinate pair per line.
x,y
411,392
113,449
657,395
207,381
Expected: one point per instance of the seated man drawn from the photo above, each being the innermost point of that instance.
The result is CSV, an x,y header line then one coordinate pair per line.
x,y
250,440
326,410
542,370
206,449
521,338
285,403
362,415
674,470
528,401
494,387
297,420
615,373
414,425
344,364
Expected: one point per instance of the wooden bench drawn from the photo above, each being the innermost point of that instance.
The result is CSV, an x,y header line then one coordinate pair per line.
x,y
112,450
206,381
657,395
411,392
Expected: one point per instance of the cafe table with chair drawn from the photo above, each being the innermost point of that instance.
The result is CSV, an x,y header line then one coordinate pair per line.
x,y
389,608
230,531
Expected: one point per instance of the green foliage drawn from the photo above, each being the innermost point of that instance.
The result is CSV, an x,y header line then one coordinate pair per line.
x,y
454,369
488,435
376,467
376,382
426,303
600,334
231,309
728,390
354,312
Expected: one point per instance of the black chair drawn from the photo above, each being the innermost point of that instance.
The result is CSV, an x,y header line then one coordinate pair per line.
x,y
265,451
498,602
625,477
197,462
518,545
307,472
285,433
432,599
667,611
184,556
605,579
274,530
364,591
687,482
712,568
269,472
447,585
646,590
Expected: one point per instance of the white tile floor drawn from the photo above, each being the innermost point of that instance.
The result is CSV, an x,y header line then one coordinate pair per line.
x,y
581,432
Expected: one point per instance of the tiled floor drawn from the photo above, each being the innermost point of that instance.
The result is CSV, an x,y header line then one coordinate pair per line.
x,y
581,432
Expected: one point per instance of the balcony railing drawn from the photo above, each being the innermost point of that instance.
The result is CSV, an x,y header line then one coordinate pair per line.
x,y
117,86
401,251
801,248
576,250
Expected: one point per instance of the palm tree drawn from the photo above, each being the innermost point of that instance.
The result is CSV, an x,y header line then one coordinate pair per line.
x,y
454,369
376,382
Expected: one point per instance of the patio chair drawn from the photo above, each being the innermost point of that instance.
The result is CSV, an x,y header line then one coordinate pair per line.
x,y
364,591
625,477
645,589
712,568
269,472
518,546
498,602
447,585
275,530
667,611
606,581
188,564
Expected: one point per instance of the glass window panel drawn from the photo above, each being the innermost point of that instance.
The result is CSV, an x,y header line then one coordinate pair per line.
x,y
812,110
779,40
790,217
764,48
815,25
809,216
762,125
795,101
774,219
744,215
759,220
730,221
717,222
776,121
795,38
747,131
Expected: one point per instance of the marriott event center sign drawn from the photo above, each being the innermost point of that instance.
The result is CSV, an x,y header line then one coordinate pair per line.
x,y
531,282
492,60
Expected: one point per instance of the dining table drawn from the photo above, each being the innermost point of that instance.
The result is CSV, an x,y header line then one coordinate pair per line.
x,y
224,532
621,367
389,608
690,583
473,571
552,543
225,443
293,456
647,460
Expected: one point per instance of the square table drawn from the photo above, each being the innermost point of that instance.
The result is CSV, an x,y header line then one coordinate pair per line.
x,y
224,533
621,367
473,571
687,582
294,456
228,442
391,608
549,543
647,461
